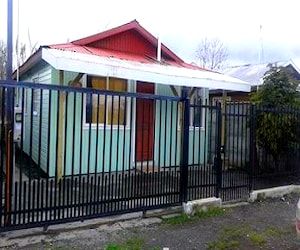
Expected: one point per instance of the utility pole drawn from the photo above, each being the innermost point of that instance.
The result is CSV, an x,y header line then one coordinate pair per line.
x,y
260,53
9,112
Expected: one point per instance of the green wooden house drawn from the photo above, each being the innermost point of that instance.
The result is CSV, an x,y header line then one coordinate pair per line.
x,y
79,133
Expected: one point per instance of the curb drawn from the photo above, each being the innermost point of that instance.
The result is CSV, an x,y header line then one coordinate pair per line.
x,y
191,207
275,192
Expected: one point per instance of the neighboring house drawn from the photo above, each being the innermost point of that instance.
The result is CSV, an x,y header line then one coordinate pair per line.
x,y
253,74
125,59
235,138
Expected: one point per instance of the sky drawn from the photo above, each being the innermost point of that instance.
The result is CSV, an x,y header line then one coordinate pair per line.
x,y
181,25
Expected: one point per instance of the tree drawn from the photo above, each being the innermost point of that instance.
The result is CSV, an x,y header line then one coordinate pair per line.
x,y
211,53
21,51
277,123
279,89
20,56
3,58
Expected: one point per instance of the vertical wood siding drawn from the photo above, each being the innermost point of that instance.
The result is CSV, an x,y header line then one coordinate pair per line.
x,y
82,153
44,76
130,42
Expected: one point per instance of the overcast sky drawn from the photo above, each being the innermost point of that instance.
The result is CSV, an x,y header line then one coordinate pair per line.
x,y
180,24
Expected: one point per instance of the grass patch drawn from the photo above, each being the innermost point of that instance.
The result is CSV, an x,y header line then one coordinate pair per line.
x,y
132,244
233,233
223,245
234,237
274,232
257,238
211,212
156,248
177,220
183,218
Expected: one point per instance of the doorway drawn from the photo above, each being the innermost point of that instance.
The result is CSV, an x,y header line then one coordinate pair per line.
x,y
144,123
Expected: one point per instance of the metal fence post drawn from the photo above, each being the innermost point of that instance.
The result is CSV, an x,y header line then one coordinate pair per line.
x,y
184,146
9,107
252,145
218,153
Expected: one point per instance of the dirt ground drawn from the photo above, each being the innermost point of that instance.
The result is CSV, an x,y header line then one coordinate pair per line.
x,y
268,224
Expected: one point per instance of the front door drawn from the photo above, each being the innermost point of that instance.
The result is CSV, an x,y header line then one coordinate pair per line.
x,y
144,123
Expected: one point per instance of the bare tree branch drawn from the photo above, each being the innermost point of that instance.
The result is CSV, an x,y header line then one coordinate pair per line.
x,y
21,55
211,53
3,58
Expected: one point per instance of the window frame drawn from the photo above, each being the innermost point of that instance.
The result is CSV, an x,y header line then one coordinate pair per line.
x,y
35,97
198,95
203,102
106,124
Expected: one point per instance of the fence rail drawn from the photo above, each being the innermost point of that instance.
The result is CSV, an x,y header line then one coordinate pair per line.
x,y
83,153
263,143
277,152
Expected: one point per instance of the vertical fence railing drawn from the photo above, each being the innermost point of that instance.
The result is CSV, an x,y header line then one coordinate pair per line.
x,y
77,154
218,152
252,144
203,150
85,153
236,155
184,147
3,146
277,147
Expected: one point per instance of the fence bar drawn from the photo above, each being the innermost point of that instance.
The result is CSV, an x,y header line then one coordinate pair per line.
x,y
252,143
98,177
218,152
184,147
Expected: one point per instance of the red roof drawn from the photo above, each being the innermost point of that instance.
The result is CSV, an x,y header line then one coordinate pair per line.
x,y
129,42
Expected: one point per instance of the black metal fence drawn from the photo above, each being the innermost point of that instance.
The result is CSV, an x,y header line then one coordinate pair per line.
x,y
236,153
263,144
81,153
277,147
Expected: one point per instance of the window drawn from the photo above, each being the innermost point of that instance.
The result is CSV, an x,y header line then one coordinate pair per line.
x,y
197,110
35,98
220,100
108,109
36,101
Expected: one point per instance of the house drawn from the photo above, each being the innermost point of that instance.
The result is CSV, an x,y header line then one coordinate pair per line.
x,y
77,131
235,138
253,74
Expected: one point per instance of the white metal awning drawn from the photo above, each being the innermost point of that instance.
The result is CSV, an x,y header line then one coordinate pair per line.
x,y
149,72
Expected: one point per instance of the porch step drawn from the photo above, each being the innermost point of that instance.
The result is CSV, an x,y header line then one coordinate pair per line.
x,y
148,169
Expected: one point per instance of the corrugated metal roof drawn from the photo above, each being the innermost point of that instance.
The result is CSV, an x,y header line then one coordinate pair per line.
x,y
121,55
177,75
254,73
84,57
100,52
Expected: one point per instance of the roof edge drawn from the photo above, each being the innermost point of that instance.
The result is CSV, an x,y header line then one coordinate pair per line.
x,y
134,25
34,59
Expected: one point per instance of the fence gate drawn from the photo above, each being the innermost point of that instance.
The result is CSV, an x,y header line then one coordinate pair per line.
x,y
204,166
76,155
236,151
84,153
